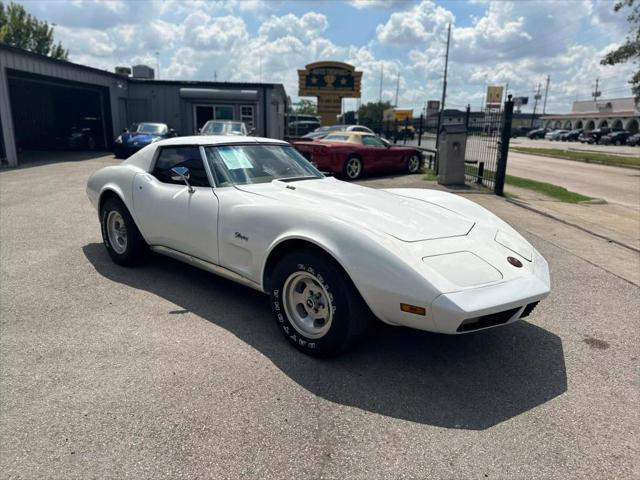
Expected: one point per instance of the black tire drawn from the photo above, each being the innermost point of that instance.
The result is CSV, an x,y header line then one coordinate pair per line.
x,y
411,166
348,172
350,315
135,248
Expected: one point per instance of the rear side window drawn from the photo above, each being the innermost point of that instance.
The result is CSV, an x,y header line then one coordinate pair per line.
x,y
189,157
371,140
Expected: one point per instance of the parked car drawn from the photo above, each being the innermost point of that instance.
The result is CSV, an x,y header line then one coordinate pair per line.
x,y
77,138
571,136
351,154
594,136
327,252
519,132
322,132
538,133
302,127
555,134
224,127
634,140
139,135
618,137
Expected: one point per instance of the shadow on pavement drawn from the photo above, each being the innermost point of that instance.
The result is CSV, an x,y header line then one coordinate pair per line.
x,y
472,381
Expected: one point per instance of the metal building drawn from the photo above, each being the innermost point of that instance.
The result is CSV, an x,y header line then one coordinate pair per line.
x,y
42,99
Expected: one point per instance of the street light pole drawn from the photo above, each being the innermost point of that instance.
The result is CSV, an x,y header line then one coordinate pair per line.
x,y
444,96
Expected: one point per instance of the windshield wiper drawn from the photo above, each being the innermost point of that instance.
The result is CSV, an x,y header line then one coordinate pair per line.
x,y
296,179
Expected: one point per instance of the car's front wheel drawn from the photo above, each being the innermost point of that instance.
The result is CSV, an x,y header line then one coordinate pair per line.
x,y
413,163
315,304
120,235
352,168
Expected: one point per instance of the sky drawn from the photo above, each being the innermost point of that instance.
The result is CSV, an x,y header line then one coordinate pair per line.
x,y
517,43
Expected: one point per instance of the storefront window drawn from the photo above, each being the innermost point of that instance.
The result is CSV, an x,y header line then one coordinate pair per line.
x,y
246,115
224,112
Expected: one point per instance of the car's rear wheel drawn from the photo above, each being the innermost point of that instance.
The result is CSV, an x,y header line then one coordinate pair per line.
x,y
315,304
413,163
120,235
352,168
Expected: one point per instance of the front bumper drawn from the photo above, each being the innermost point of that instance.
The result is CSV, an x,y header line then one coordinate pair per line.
x,y
490,306
124,151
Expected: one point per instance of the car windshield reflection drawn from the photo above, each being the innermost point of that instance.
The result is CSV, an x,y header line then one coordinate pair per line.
x,y
249,164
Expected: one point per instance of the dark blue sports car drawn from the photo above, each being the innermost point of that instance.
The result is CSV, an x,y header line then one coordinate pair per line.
x,y
139,135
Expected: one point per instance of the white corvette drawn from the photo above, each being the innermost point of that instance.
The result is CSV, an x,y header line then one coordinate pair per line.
x,y
327,252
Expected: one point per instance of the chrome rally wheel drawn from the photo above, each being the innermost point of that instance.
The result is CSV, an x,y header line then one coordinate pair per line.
x,y
308,304
117,232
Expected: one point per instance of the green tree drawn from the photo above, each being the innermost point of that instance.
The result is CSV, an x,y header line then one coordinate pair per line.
x,y
306,107
630,50
21,29
370,114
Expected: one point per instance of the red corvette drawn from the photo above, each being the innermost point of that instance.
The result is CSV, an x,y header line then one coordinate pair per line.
x,y
350,154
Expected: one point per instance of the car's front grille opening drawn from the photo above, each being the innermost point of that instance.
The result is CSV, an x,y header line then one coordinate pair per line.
x,y
485,321
528,309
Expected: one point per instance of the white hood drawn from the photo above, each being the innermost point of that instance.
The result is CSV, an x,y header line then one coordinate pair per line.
x,y
407,219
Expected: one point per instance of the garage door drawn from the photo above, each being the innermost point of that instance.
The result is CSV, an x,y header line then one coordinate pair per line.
x,y
54,114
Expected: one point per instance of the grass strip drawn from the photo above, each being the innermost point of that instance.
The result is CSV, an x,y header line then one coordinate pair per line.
x,y
586,157
548,189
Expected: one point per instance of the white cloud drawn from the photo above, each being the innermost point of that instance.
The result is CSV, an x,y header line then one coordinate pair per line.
x,y
308,26
414,26
218,33
361,4
515,42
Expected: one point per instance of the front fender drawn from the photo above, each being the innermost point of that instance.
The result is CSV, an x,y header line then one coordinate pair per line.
x,y
383,274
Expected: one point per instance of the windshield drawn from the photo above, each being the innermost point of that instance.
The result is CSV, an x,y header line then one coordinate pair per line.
x,y
150,128
248,164
222,128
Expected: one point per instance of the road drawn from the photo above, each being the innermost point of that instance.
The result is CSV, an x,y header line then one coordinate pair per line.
x,y
165,371
615,185
541,143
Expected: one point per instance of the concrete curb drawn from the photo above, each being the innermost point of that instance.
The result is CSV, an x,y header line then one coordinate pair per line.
x,y
586,230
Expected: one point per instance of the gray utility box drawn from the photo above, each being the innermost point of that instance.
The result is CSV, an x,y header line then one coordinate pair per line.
x,y
452,145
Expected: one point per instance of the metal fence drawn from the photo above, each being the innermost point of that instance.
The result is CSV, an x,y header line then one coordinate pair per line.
x,y
488,135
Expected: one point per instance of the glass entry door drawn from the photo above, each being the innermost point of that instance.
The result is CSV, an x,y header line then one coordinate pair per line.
x,y
204,113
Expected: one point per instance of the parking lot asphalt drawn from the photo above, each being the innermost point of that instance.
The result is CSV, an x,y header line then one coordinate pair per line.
x,y
165,371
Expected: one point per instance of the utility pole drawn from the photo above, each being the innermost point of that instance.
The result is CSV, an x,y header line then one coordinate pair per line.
x,y
546,92
596,92
537,97
506,91
215,76
158,63
397,89
381,79
444,95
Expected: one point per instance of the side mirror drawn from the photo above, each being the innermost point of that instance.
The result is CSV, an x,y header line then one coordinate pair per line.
x,y
172,132
252,132
182,174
